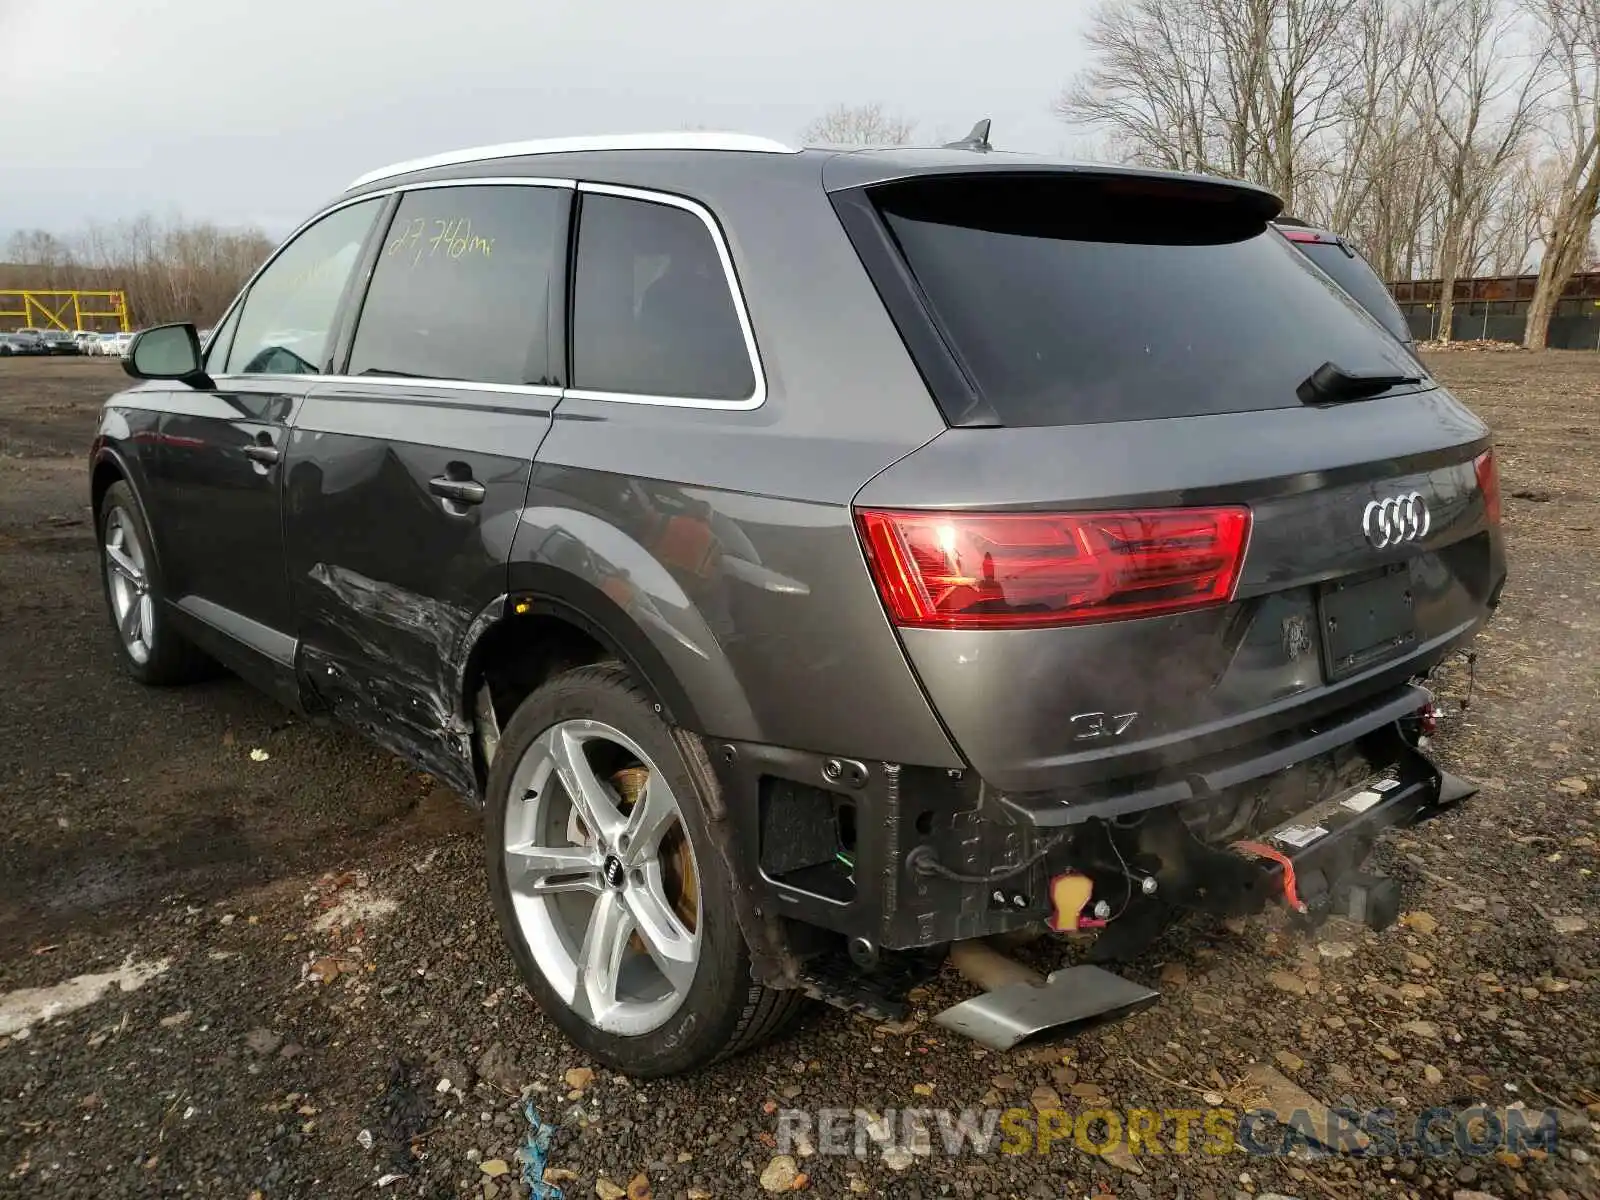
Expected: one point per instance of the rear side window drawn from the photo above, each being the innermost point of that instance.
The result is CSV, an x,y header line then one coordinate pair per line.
x,y
464,285
652,312
1351,272
1072,300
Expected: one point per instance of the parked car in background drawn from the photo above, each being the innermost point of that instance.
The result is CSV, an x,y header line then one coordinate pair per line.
x,y
27,341
1341,262
115,345
816,563
86,338
59,341
13,344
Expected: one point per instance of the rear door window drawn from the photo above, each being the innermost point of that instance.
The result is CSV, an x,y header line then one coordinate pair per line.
x,y
653,314
1070,300
464,287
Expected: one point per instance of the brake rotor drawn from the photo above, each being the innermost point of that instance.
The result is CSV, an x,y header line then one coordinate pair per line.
x,y
677,860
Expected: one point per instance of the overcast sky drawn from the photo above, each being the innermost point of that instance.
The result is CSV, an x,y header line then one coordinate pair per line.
x,y
254,111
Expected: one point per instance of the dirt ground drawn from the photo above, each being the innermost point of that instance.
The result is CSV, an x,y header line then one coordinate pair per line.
x,y
313,999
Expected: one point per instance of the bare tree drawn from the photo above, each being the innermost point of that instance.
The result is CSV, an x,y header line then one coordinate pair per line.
x,y
859,125
1522,205
1571,32
1408,125
37,248
1246,88
1377,108
1479,96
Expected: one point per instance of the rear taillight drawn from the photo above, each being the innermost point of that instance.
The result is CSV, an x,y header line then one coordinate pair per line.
x,y
1489,484
1303,235
1014,570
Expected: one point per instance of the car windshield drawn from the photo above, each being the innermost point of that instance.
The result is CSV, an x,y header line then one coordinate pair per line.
x,y
1072,300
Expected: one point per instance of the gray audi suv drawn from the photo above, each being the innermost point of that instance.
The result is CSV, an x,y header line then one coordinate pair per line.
x,y
816,564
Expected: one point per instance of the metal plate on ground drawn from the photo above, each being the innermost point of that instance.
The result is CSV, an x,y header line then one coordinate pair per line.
x,y
1070,1000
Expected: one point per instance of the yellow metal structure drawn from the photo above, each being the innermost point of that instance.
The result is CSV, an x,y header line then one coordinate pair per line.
x,y
53,308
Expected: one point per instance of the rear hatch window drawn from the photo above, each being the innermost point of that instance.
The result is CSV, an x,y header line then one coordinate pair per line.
x,y
1072,299
1351,272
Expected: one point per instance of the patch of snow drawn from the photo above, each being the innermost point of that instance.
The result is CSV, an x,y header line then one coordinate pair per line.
x,y
26,1007
354,908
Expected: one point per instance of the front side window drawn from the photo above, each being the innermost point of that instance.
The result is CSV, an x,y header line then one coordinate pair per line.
x,y
464,286
221,340
652,313
287,317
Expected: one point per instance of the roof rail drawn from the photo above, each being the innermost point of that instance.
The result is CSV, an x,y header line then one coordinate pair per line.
x,y
682,140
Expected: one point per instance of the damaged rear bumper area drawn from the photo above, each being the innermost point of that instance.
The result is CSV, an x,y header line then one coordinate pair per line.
x,y
859,876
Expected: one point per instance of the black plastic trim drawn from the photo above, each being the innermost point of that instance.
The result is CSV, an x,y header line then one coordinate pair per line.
x,y
1202,778
950,384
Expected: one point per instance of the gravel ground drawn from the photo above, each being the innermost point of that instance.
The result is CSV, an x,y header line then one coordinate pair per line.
x,y
305,953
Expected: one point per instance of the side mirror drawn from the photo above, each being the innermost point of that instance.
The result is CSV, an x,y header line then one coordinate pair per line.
x,y
167,352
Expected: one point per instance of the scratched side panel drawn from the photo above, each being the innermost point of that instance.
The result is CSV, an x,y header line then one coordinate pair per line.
x,y
387,580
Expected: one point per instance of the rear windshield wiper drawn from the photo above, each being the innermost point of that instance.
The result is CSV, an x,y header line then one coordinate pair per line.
x,y
1332,384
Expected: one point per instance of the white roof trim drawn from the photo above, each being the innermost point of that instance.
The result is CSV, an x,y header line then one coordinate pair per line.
x,y
683,140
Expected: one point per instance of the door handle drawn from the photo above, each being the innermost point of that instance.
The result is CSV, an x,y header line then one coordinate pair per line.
x,y
263,452
462,491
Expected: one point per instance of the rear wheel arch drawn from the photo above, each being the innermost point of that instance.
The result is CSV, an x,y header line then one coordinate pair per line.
x,y
554,623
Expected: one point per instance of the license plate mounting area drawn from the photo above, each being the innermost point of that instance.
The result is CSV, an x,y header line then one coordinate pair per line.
x,y
1366,619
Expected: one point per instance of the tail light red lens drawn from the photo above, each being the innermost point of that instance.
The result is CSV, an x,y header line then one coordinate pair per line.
x,y
1017,571
1489,484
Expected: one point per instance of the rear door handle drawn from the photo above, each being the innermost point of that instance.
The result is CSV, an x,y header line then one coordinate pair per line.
x,y
462,491
263,452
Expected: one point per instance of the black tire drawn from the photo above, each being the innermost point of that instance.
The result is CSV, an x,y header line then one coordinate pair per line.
x,y
170,658
724,1012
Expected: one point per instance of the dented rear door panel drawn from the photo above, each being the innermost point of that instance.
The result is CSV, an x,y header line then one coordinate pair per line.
x,y
388,576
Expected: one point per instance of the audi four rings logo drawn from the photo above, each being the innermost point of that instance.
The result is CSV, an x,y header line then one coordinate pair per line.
x,y
1396,519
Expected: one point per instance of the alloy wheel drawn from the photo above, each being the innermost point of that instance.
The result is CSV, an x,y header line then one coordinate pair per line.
x,y
128,578
602,876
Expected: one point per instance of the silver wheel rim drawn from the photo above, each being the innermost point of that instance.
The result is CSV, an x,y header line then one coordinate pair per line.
x,y
131,605
602,876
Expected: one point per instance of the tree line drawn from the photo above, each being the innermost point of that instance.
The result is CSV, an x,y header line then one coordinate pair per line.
x,y
1446,138
170,269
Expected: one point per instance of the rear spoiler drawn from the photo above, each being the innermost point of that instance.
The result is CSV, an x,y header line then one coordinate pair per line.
x,y
874,170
